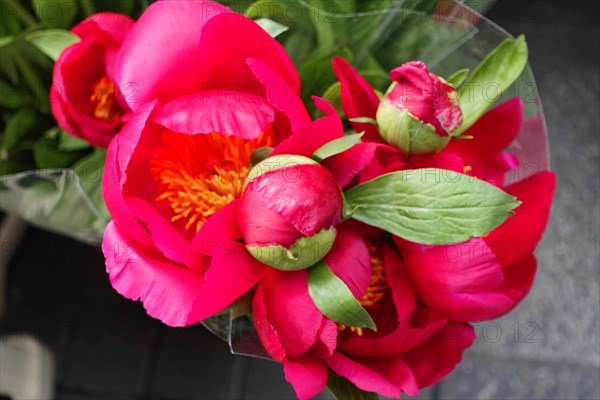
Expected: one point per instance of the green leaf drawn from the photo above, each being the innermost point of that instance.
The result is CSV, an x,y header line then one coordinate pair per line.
x,y
333,298
271,27
67,142
342,389
430,206
500,69
12,98
52,42
47,155
337,146
18,127
317,75
55,13
458,78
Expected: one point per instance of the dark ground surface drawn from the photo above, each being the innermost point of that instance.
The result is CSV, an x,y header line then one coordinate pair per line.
x,y
106,347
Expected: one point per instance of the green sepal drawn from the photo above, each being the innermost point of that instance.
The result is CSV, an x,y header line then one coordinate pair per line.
x,y
307,251
333,298
459,77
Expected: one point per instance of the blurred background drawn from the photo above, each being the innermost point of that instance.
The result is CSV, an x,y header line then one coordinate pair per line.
x,y
105,346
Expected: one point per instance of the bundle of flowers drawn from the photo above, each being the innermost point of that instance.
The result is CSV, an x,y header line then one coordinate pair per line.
x,y
360,248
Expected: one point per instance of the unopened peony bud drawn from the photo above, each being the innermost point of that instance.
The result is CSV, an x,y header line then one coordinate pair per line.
x,y
288,212
419,111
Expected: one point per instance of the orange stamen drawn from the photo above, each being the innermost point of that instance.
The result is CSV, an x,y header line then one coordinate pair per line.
x,y
195,186
103,97
467,169
379,283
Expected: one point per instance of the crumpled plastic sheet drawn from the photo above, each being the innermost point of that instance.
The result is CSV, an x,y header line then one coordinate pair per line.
x,y
53,199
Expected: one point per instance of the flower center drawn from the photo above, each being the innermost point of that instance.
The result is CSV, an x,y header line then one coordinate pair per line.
x,y
200,174
379,283
106,107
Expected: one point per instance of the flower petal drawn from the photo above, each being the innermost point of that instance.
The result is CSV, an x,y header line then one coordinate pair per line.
x,y
232,272
358,98
492,133
362,376
463,281
165,237
395,370
116,26
165,66
436,357
309,138
231,40
291,310
227,112
518,236
219,227
349,260
367,159
166,289
307,375
281,93
266,332
119,169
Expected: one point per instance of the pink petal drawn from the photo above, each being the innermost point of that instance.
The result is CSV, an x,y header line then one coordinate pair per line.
x,y
312,136
222,226
362,376
358,98
518,236
366,159
116,26
462,281
323,105
280,93
307,375
266,332
326,339
492,133
229,113
118,159
437,357
160,65
166,289
403,290
228,42
350,261
395,370
165,237
291,311
232,272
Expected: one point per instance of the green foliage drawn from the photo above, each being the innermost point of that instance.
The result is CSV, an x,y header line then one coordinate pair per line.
x,y
430,206
333,298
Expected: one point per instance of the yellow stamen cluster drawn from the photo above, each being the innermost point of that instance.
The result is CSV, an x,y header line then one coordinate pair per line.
x,y
103,97
196,189
379,283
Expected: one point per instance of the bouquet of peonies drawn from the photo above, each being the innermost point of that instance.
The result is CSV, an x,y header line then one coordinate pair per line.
x,y
353,250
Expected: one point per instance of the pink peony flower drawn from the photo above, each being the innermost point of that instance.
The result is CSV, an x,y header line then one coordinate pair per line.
x,y
288,212
84,98
174,173
417,114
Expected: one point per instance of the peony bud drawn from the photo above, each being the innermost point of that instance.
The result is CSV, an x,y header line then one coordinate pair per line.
x,y
288,212
419,111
